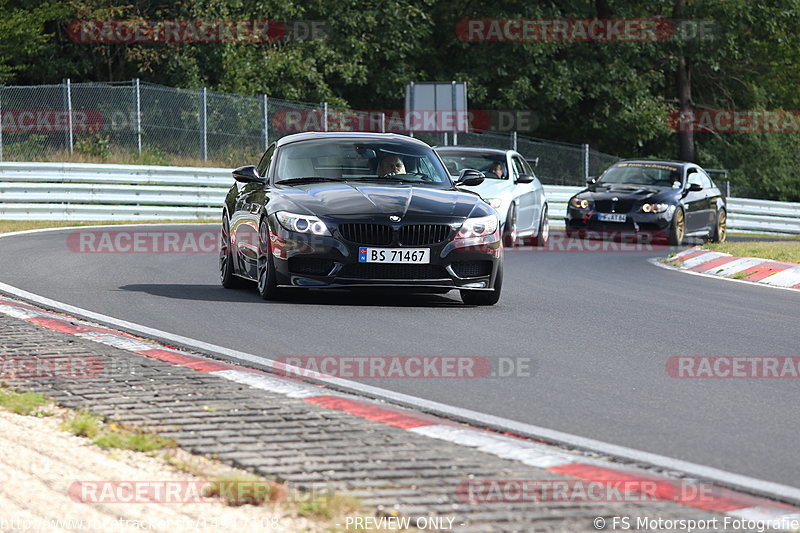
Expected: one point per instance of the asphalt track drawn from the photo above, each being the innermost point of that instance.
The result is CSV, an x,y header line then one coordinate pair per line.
x,y
597,327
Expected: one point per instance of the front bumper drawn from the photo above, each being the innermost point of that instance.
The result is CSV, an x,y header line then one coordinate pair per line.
x,y
310,261
586,220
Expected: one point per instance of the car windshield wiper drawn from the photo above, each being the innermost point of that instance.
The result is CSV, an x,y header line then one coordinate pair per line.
x,y
385,178
307,179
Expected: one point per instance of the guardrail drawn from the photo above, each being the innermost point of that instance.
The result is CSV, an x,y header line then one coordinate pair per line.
x,y
79,191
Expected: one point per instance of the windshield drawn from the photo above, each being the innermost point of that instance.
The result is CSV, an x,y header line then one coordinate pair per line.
x,y
656,174
353,160
492,165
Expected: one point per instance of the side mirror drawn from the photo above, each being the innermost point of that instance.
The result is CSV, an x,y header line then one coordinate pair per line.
x,y
525,178
592,180
247,174
694,187
470,177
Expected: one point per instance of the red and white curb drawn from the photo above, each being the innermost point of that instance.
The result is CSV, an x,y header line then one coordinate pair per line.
x,y
747,269
551,458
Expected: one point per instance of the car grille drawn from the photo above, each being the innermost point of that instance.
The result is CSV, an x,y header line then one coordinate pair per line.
x,y
392,271
379,234
621,206
311,266
472,269
419,234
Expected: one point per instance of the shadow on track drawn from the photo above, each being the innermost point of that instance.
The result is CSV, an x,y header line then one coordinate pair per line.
x,y
351,297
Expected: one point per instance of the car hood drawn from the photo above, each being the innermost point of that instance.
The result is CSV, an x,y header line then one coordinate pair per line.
x,y
628,192
492,188
357,200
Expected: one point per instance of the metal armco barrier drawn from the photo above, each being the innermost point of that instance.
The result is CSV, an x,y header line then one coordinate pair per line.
x,y
79,191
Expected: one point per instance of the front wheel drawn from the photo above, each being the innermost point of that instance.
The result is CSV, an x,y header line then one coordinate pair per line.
x,y
721,228
510,228
543,237
485,297
677,228
226,276
267,285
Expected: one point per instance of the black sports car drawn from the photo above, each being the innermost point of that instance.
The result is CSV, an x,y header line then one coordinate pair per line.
x,y
337,210
667,199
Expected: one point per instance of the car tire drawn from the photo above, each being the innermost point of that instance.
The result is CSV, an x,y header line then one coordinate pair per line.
x,y
721,227
227,278
485,297
677,228
510,228
265,269
543,237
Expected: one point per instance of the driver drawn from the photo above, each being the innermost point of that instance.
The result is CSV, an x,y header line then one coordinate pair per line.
x,y
497,169
391,165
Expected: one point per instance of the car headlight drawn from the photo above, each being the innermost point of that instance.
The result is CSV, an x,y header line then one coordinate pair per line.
x,y
580,203
302,223
654,208
478,227
494,202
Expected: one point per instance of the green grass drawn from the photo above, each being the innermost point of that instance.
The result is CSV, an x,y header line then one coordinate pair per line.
x,y
107,436
83,424
244,489
7,226
23,403
784,250
328,506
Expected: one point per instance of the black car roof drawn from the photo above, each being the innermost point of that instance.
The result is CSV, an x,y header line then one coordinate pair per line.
x,y
297,137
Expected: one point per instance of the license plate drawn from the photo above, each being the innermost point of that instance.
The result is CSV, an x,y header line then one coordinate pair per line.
x,y
611,217
419,256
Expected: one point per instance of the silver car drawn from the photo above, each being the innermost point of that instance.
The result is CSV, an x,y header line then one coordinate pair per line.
x,y
511,187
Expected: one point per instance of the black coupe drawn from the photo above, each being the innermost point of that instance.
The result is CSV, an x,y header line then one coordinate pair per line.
x,y
342,210
668,200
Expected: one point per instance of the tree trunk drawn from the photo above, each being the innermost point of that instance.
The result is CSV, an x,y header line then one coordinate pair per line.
x,y
683,82
685,134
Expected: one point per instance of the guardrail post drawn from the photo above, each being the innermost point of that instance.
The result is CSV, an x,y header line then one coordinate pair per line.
x,y
204,124
138,115
265,116
514,140
68,107
1,123
324,116
585,148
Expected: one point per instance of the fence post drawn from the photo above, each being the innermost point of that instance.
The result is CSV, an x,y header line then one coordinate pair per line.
x,y
204,124
68,106
585,148
324,116
514,140
383,122
138,116
265,116
1,123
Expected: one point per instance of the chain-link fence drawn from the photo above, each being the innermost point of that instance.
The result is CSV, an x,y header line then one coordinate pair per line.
x,y
137,122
